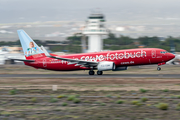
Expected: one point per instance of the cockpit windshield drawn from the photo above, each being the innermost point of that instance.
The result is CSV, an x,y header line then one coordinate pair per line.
x,y
163,52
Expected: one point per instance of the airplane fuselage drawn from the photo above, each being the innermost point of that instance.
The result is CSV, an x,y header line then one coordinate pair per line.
x,y
128,57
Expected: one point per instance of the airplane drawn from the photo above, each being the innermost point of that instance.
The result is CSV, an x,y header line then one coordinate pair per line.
x,y
117,60
5,53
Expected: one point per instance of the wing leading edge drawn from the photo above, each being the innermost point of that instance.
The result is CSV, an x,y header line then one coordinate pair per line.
x,y
72,61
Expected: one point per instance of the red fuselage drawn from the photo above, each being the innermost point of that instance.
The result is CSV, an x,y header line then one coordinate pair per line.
x,y
128,57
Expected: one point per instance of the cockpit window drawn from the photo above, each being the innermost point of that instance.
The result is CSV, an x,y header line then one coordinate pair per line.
x,y
163,52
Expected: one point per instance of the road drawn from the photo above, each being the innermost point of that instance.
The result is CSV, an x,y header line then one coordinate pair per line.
x,y
89,76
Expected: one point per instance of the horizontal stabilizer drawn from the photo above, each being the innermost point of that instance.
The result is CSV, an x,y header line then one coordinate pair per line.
x,y
24,60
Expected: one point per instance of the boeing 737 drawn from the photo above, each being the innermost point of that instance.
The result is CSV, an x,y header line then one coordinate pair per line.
x,y
118,60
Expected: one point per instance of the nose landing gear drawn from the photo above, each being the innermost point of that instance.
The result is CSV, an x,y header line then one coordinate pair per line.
x,y
158,68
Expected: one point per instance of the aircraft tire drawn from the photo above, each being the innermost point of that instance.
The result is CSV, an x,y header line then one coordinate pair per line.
x,y
99,72
158,68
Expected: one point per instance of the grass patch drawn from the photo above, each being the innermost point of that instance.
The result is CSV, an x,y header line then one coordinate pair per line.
x,y
166,90
119,102
4,102
178,107
64,104
137,103
143,90
61,96
34,100
178,96
144,99
103,104
98,102
162,106
108,96
71,98
77,95
76,100
13,92
53,100
178,104
118,96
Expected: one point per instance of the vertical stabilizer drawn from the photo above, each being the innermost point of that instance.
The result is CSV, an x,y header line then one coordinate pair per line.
x,y
29,46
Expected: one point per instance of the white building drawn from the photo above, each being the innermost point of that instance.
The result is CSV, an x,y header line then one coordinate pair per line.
x,y
94,29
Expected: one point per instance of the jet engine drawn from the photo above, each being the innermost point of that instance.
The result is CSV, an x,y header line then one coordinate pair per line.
x,y
103,66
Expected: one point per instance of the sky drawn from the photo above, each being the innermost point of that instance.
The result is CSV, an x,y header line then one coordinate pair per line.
x,y
17,11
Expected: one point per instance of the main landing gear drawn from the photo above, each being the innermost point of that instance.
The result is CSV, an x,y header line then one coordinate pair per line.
x,y
91,72
99,72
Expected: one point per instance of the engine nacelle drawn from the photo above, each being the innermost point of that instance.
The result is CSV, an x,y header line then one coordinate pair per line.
x,y
103,66
120,68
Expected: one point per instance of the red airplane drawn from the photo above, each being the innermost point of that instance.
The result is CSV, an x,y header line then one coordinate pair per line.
x,y
118,60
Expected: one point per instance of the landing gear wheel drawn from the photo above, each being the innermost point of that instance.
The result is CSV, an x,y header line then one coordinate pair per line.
x,y
158,68
99,72
91,72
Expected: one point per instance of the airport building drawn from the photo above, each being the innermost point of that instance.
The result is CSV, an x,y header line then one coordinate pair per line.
x,y
94,29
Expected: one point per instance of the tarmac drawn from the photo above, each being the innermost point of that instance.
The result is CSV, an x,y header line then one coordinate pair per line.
x,y
89,76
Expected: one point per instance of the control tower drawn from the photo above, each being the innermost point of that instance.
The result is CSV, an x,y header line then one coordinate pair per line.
x,y
94,29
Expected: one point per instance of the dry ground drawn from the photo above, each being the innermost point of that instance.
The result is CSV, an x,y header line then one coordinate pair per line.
x,y
148,69
91,99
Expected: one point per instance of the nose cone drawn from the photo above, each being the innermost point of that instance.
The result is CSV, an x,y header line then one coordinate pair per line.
x,y
171,56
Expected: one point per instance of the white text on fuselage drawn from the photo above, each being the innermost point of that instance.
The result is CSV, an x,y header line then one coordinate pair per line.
x,y
109,57
115,56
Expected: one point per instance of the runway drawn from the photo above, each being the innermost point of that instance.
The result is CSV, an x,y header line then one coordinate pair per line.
x,y
89,76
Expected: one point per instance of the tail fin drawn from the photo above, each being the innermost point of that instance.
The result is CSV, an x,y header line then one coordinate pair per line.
x,y
29,46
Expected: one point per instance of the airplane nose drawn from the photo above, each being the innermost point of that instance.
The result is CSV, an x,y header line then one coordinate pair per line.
x,y
171,56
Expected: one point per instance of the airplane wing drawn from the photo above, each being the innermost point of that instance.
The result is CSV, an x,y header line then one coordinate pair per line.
x,y
72,61
24,60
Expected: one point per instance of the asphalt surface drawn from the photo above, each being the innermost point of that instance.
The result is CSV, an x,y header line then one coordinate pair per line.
x,y
89,76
